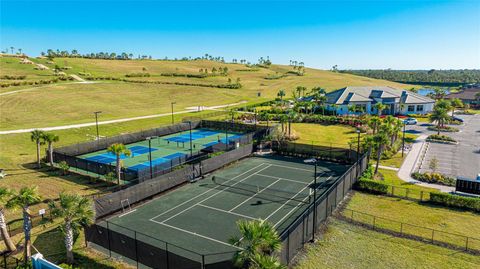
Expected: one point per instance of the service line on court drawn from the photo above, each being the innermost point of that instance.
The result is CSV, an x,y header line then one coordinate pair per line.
x,y
249,198
195,197
225,211
190,207
285,179
288,214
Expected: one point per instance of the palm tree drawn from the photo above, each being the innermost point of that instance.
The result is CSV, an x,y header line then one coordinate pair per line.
x,y
283,119
439,93
258,241
456,103
281,94
373,123
4,195
379,107
23,199
36,136
334,107
50,138
291,117
380,140
389,124
118,149
76,212
438,115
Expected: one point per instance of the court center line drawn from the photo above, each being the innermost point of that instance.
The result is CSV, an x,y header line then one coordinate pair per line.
x,y
288,214
188,208
285,179
195,197
225,211
249,198
196,234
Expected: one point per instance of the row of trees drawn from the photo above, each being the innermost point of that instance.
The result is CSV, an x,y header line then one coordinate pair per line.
x,y
12,50
433,76
75,210
98,55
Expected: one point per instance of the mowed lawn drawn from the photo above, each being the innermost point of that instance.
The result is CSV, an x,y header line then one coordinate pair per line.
x,y
421,214
74,103
349,246
324,135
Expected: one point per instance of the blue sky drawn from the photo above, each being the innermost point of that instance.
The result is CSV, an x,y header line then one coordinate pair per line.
x,y
402,34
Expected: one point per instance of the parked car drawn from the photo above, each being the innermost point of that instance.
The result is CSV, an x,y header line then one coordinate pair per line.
x,y
457,119
410,121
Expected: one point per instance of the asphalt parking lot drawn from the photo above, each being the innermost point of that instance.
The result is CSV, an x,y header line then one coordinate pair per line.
x,y
455,160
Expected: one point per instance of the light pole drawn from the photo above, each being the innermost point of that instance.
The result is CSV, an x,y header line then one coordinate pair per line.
x,y
255,115
314,161
150,153
403,139
172,103
358,151
191,150
96,122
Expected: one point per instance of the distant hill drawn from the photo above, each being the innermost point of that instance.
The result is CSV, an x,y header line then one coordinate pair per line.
x,y
170,81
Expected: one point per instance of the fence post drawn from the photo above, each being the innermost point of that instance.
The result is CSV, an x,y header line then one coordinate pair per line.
x,y
401,228
433,233
466,244
136,247
108,238
203,261
167,252
374,219
406,193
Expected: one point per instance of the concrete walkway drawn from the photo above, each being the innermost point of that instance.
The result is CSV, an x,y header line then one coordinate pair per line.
x,y
72,126
411,161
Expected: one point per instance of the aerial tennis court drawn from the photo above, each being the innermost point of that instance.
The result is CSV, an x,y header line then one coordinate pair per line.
x,y
199,218
164,149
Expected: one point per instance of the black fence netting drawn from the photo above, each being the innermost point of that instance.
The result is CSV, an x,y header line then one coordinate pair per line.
x,y
138,248
303,228
103,143
116,201
230,126
321,152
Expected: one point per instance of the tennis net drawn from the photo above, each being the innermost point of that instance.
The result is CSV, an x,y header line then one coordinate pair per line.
x,y
263,191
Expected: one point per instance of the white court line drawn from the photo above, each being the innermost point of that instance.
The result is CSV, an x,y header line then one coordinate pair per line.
x,y
285,179
288,214
199,235
296,168
193,198
131,211
188,208
249,198
225,211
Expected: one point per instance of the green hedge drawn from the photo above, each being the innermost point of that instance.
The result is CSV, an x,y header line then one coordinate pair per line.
x,y
434,178
441,138
446,199
372,186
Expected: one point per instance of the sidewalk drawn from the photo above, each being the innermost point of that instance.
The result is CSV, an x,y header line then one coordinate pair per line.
x,y
411,161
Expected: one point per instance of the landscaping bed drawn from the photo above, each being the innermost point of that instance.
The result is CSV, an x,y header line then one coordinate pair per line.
x,y
443,129
436,178
441,139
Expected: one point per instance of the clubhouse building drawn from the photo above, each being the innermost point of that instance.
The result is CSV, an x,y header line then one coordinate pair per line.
x,y
397,101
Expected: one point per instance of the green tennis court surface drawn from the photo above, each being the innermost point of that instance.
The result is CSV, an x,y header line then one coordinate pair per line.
x,y
164,149
202,216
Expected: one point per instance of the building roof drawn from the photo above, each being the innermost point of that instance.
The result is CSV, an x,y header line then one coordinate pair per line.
x,y
371,93
467,94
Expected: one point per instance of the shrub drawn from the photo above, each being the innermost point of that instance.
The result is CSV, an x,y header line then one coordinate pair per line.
x,y
443,129
372,186
447,199
63,165
10,77
137,75
441,138
434,178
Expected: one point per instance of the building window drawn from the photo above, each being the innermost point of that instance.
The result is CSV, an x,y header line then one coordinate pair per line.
x,y
411,108
419,107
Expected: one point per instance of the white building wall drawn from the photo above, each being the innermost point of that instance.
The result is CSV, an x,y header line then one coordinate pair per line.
x,y
427,108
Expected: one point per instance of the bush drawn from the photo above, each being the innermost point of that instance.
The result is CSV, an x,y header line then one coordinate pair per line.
x,y
447,199
441,138
434,178
372,186
443,129
10,77
137,75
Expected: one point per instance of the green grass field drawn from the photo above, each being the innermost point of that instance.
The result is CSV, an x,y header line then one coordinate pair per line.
x,y
349,246
71,103
426,215
324,135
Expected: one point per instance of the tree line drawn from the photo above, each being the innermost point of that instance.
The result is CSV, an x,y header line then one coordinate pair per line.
x,y
432,77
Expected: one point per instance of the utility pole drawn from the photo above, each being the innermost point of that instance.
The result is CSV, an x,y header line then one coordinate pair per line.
x,y
172,103
96,122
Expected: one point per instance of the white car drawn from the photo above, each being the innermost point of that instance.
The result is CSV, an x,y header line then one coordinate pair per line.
x,y
410,121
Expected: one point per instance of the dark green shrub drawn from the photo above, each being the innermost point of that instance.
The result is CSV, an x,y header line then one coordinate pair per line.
x,y
434,178
372,186
447,199
441,138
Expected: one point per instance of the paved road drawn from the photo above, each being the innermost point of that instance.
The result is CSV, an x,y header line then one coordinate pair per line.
x,y
455,160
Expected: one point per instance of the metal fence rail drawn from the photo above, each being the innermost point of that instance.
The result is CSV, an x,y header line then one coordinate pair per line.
x,y
451,240
304,227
